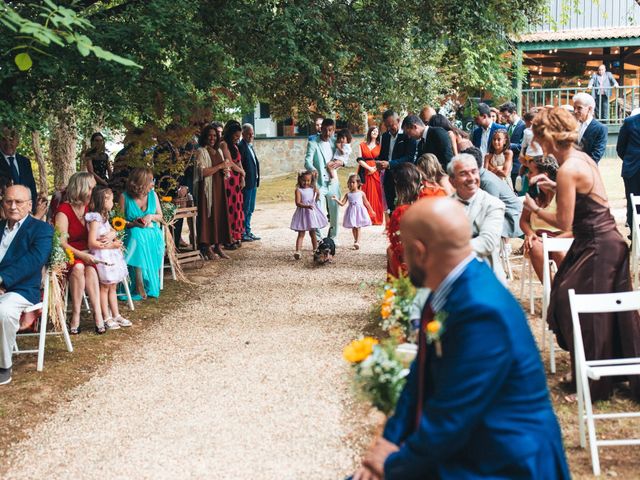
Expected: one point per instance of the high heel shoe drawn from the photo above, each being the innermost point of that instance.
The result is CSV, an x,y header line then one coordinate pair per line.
x,y
100,329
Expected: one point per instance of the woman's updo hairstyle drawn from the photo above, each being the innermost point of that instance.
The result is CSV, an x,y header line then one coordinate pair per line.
x,y
555,126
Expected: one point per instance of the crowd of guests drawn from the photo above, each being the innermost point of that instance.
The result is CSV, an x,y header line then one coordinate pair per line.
x,y
102,201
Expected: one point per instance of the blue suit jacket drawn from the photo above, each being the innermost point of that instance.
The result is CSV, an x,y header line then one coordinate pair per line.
x,y
594,140
26,176
476,138
516,144
628,146
21,267
251,168
486,411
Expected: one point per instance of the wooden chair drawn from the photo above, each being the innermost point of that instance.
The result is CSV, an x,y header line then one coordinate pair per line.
x,y
596,369
42,310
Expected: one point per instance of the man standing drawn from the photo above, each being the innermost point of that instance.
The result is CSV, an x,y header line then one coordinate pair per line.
x,y
318,157
318,126
475,404
515,128
251,167
395,149
14,168
592,135
430,139
25,245
601,85
628,148
483,133
484,211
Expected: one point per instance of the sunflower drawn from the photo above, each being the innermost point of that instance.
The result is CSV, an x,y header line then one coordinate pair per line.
x,y
118,223
70,257
358,350
167,199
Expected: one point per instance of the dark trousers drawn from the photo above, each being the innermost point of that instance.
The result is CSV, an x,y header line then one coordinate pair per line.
x,y
389,187
631,185
602,107
248,206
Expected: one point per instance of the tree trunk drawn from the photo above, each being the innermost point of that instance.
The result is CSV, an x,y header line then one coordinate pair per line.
x,y
62,146
43,184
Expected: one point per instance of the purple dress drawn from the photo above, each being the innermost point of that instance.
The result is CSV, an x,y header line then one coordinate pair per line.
x,y
116,269
356,215
305,219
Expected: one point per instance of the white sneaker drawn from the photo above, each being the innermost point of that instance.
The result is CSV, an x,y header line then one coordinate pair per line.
x,y
123,322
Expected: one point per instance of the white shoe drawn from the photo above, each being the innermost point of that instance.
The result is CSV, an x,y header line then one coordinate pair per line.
x,y
111,324
123,322
356,246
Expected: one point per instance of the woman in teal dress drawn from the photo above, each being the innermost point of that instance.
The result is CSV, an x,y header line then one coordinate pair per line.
x,y
144,241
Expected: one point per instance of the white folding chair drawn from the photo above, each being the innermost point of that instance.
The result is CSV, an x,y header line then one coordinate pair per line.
x,y
635,241
85,300
165,233
42,333
550,245
505,252
596,369
527,271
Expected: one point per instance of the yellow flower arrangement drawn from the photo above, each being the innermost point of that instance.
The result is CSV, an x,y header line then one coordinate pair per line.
x,y
433,327
385,311
167,199
118,223
70,256
358,350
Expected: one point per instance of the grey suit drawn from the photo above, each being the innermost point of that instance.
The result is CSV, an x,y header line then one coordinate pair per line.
x,y
486,214
490,183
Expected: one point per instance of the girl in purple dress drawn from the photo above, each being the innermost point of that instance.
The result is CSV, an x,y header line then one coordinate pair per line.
x,y
307,217
106,248
357,214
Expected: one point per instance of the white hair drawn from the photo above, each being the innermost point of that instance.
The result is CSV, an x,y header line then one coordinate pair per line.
x,y
246,127
460,158
585,99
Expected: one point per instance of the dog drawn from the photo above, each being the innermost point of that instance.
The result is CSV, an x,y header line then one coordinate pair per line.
x,y
325,252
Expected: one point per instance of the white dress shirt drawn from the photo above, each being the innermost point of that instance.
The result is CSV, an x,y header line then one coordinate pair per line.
x,y
8,236
484,141
583,128
392,144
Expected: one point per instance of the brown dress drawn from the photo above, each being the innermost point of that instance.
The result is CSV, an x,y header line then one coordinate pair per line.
x,y
213,224
597,262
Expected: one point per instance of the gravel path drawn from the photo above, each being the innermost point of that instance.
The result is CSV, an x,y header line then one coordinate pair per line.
x,y
243,381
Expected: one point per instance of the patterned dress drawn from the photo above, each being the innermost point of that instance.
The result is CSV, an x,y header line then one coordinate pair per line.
x,y
235,198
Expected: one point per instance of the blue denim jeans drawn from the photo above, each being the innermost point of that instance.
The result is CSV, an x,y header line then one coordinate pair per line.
x,y
248,206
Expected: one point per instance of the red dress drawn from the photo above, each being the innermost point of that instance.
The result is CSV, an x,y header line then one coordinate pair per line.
x,y
78,233
235,200
395,252
372,187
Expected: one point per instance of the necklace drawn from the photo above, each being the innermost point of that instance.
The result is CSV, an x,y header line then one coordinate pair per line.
x,y
75,211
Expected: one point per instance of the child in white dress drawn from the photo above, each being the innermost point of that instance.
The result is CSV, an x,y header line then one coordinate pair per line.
x,y
342,152
357,214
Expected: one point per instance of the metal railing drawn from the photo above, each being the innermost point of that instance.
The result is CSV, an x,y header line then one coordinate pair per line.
x,y
620,104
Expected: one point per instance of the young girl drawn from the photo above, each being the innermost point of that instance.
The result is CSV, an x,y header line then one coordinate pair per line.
x,y
307,217
357,214
500,157
342,152
112,269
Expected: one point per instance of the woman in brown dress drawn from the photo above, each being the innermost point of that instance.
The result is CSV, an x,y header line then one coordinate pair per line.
x,y
213,221
598,260
234,182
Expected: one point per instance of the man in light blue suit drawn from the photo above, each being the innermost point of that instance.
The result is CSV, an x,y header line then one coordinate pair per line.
x,y
475,405
320,155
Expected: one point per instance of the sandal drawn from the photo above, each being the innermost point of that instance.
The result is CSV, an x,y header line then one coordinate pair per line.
x,y
75,330
123,322
100,330
111,324
221,254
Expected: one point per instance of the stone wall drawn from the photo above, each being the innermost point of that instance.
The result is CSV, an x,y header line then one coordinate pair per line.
x,y
279,156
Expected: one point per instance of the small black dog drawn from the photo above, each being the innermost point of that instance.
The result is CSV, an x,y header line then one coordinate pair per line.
x,y
325,251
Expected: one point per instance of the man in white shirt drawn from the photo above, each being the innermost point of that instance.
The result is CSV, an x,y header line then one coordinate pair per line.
x,y
25,245
483,133
592,135
484,211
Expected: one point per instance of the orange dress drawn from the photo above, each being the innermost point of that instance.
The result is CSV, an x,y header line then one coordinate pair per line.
x,y
431,190
372,187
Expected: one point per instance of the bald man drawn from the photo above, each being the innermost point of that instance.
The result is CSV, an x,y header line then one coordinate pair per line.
x,y
25,245
475,405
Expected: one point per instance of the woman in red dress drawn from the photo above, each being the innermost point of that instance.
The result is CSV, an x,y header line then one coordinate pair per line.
x,y
372,187
234,181
82,273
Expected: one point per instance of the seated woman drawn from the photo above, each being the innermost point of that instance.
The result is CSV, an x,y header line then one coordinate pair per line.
x,y
408,180
144,241
435,182
531,223
69,219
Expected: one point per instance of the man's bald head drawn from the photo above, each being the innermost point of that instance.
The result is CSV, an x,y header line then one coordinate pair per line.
x,y
436,234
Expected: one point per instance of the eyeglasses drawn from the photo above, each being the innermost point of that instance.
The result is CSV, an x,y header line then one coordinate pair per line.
x,y
18,203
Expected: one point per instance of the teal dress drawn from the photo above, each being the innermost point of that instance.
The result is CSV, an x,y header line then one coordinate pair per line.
x,y
144,247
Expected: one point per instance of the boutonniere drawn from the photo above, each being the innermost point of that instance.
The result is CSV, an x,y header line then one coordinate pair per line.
x,y
434,330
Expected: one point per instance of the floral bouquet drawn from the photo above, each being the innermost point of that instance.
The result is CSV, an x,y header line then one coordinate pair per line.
x,y
168,209
379,375
59,261
395,301
116,218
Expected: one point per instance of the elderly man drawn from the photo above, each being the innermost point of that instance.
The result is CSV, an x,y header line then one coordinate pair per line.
x,y
592,135
484,211
25,244
486,127
476,404
602,85
251,167
14,168
493,185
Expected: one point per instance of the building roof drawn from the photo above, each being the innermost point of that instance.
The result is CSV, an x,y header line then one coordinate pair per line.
x,y
580,34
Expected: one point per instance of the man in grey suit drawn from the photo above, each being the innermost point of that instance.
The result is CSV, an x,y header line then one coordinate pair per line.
x,y
601,85
484,211
318,157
